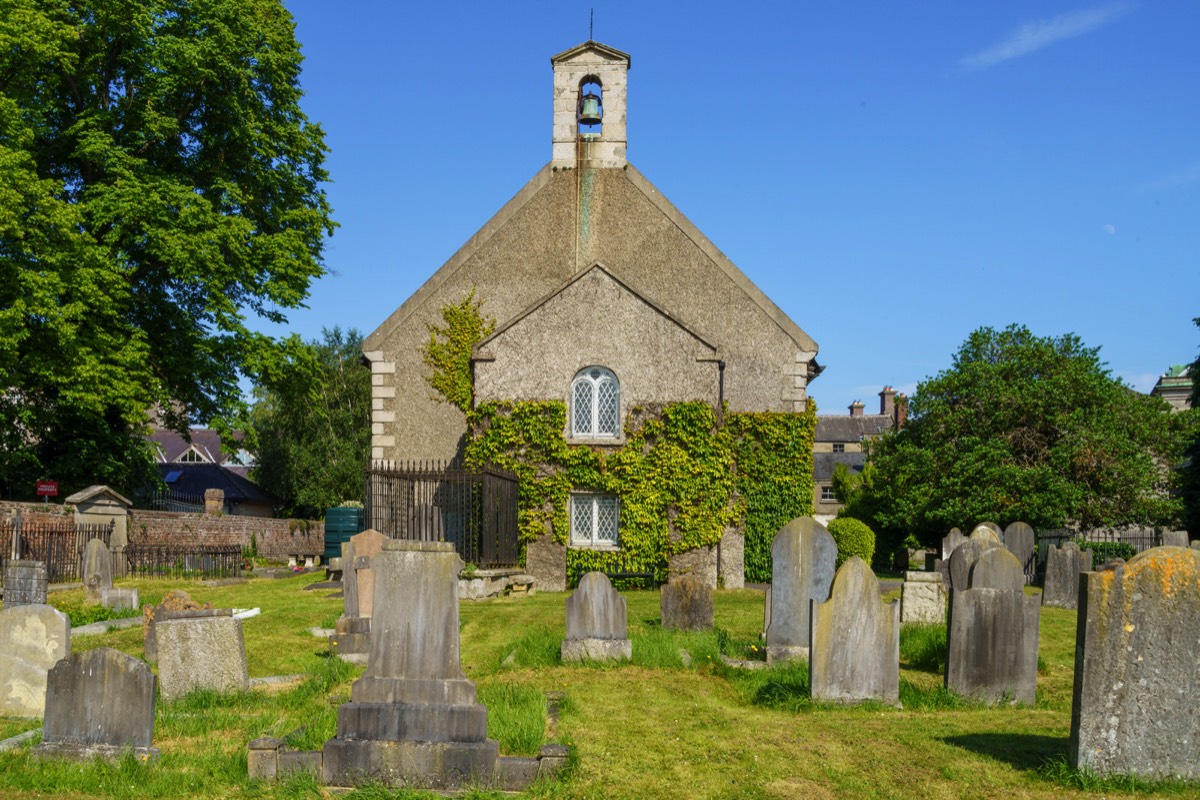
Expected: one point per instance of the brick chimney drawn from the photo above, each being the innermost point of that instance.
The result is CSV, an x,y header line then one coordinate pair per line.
x,y
887,403
901,414
856,408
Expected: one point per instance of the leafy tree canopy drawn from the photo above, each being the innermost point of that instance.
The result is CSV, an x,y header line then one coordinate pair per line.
x,y
311,424
1022,427
159,185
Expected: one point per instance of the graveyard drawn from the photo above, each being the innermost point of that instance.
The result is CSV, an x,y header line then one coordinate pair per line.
x,y
694,713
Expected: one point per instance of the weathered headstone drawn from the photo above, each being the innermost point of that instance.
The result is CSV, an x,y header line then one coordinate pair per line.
x,y
1136,706
201,653
1175,539
803,559
119,598
1064,565
923,598
367,545
1020,540
950,542
855,650
349,582
596,622
965,556
97,570
987,530
98,704
25,583
33,638
412,719
1196,545
992,635
686,603
176,604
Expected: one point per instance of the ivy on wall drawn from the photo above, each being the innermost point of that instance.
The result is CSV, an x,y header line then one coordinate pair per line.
x,y
681,475
774,453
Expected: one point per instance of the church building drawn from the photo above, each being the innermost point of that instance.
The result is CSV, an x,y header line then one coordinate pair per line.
x,y
605,298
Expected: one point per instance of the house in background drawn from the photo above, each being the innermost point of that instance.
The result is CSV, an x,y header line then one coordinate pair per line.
x,y
842,439
1175,387
189,468
605,297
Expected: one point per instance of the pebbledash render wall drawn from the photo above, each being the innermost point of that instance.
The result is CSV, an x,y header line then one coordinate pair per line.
x,y
274,538
528,251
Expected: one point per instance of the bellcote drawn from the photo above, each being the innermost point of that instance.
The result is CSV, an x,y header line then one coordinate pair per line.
x,y
590,84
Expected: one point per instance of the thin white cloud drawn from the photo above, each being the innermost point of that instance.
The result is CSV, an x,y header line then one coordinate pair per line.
x,y
1185,176
1111,230
1033,36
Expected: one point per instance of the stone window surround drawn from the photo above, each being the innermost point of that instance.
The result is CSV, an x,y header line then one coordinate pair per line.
x,y
594,542
827,495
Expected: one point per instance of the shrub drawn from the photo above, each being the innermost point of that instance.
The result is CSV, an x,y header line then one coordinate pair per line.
x,y
853,538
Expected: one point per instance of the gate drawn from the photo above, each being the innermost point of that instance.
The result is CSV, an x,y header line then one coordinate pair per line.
x,y
475,509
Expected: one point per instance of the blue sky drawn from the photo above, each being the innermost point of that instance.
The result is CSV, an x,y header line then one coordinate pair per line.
x,y
892,175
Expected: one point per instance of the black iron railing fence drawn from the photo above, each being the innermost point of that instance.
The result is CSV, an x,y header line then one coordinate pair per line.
x,y
475,509
57,543
184,561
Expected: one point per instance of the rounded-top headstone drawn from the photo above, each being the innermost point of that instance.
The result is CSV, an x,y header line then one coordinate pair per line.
x,y
986,532
1019,528
964,556
97,569
595,610
996,568
950,543
996,529
804,559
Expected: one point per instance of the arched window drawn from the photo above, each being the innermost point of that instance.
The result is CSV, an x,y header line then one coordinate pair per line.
x,y
595,403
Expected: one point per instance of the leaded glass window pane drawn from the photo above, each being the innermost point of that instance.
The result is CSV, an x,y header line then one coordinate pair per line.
x,y
606,407
595,403
581,518
607,514
582,412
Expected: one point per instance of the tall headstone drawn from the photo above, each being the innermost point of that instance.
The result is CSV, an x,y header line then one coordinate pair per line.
x,y
201,653
412,719
1136,706
596,622
803,556
950,542
989,531
25,583
1064,565
855,651
1175,539
1020,540
992,636
686,603
965,556
367,545
97,570
98,704
33,638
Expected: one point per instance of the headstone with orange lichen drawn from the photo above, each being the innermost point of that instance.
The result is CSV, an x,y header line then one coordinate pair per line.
x,y
1136,708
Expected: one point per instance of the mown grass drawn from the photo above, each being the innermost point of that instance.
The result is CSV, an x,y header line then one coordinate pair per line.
x,y
676,722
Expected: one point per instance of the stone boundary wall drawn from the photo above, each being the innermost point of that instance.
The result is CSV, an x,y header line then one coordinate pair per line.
x,y
275,538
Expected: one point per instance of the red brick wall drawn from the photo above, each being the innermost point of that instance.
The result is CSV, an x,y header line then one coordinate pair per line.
x,y
275,538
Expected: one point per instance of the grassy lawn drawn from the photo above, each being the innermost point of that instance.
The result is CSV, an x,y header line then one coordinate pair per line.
x,y
674,723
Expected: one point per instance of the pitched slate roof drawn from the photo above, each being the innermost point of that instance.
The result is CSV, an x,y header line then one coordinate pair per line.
x,y
194,479
844,428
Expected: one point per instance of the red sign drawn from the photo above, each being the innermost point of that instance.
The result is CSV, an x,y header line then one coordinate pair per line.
x,y
47,488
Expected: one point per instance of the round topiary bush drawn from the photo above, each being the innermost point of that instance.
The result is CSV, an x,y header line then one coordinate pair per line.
x,y
853,538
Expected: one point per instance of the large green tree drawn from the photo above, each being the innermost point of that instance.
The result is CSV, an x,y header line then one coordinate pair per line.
x,y
1190,469
1022,427
159,188
311,424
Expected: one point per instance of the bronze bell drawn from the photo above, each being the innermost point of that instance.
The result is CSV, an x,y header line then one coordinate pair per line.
x,y
590,111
